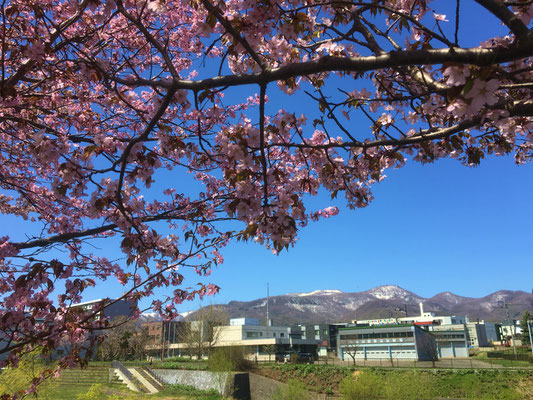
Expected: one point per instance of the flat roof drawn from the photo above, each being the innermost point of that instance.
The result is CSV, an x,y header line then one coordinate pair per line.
x,y
377,327
91,302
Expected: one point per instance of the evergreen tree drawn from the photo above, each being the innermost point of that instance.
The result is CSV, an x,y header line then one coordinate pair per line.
x,y
524,336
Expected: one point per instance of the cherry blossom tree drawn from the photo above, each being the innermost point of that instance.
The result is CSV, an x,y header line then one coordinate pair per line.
x,y
148,124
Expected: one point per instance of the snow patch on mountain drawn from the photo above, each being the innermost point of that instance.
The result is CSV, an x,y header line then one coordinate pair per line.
x,y
356,303
325,292
260,304
153,317
306,307
452,298
386,292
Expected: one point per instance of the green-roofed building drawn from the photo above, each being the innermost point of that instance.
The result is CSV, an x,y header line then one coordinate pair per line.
x,y
408,342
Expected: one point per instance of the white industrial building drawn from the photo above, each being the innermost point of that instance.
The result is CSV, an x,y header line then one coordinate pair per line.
x,y
424,318
452,340
408,342
247,333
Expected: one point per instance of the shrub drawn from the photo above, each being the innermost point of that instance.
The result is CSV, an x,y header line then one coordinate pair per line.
x,y
179,359
378,384
294,390
190,390
18,379
225,359
364,386
95,392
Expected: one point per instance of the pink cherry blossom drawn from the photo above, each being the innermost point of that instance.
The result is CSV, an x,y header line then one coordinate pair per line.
x,y
483,93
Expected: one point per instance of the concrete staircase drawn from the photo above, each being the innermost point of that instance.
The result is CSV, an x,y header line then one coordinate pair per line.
x,y
136,379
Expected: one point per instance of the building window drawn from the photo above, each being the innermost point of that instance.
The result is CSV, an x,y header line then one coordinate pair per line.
x,y
281,335
252,335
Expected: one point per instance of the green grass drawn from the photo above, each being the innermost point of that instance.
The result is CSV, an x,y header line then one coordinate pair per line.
x,y
65,390
188,365
76,381
410,383
503,362
109,392
92,383
519,350
188,392
413,384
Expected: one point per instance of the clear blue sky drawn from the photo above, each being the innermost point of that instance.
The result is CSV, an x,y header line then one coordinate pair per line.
x,y
432,228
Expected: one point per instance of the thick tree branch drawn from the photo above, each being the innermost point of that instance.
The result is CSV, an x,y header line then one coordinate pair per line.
x,y
262,143
472,56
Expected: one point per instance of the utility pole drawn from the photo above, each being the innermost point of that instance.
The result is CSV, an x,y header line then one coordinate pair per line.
x,y
168,340
268,314
162,340
530,339
506,306
529,328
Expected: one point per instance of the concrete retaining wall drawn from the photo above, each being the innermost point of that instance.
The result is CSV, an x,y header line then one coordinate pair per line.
x,y
236,385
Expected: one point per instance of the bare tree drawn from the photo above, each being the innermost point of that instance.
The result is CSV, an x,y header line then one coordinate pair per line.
x,y
351,351
125,340
138,343
200,335
430,347
270,349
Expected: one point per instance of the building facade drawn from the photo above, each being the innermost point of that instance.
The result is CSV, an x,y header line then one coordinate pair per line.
x,y
109,308
452,340
386,342
324,334
260,342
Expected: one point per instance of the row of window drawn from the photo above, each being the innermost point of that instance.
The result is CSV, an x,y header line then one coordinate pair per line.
x,y
255,335
376,335
452,336
393,340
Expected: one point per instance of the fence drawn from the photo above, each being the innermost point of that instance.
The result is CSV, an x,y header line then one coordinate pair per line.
x,y
450,363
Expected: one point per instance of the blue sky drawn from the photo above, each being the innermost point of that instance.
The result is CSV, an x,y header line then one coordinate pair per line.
x,y
431,228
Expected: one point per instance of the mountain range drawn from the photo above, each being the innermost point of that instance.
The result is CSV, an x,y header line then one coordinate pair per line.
x,y
330,306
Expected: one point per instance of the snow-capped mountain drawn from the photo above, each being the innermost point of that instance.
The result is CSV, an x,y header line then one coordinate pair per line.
x,y
152,317
331,305
387,292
